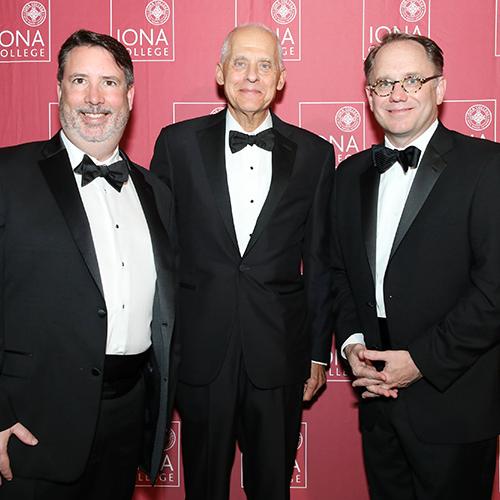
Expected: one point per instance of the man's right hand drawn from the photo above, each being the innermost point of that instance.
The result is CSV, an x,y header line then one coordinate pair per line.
x,y
366,374
24,435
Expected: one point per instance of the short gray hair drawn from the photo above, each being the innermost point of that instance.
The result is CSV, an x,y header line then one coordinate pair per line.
x,y
224,51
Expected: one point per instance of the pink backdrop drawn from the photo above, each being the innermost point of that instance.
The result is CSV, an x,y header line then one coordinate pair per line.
x,y
175,46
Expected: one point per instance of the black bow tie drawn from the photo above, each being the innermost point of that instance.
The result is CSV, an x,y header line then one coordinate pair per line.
x,y
238,140
384,158
116,173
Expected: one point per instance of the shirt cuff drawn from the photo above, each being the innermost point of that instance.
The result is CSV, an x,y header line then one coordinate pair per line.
x,y
319,363
355,338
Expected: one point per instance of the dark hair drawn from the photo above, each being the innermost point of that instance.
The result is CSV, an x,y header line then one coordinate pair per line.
x,y
85,38
432,49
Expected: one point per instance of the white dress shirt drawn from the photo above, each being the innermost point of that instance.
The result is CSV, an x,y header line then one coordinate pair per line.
x,y
124,254
393,190
249,173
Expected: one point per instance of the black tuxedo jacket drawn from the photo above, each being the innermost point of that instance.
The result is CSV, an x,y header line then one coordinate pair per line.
x,y
283,316
53,314
441,287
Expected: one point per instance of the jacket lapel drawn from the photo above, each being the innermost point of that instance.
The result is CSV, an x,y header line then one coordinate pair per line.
x,y
56,169
369,183
211,141
283,159
429,170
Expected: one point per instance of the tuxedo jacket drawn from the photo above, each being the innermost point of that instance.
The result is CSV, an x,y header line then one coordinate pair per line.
x,y
282,315
53,322
441,286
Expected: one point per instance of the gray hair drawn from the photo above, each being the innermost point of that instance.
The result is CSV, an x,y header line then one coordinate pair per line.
x,y
224,51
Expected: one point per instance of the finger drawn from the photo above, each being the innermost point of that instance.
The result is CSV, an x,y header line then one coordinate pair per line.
x,y
382,390
5,466
376,355
366,382
24,434
363,371
369,395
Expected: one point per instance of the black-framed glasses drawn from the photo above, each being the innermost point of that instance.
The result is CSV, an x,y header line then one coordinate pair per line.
x,y
410,84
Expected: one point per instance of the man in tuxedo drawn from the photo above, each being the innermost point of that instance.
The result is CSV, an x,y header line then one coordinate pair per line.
x,y
86,299
251,195
417,285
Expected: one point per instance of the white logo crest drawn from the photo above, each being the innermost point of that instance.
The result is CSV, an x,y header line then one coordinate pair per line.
x,y
347,118
157,12
172,438
478,117
217,109
283,11
33,14
412,10
301,441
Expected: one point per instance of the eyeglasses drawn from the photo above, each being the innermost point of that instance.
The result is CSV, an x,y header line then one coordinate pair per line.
x,y
410,84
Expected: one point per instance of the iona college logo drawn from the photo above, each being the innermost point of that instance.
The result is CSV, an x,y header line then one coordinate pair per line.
x,y
171,440
301,441
217,109
33,14
412,10
157,12
478,117
283,11
347,118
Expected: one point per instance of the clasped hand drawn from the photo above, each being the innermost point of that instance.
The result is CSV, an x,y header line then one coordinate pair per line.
x,y
399,371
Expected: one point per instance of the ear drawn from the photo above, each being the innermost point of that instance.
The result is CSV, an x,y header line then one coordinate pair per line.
x,y
219,74
59,91
440,90
369,97
281,79
130,96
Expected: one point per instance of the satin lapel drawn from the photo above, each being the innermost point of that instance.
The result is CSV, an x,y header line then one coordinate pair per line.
x,y
211,141
429,170
159,238
56,169
282,165
369,182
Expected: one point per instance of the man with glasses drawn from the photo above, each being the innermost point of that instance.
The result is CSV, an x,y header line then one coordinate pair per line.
x,y
416,257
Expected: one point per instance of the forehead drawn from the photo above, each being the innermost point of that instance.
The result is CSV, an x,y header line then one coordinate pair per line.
x,y
398,59
247,41
92,60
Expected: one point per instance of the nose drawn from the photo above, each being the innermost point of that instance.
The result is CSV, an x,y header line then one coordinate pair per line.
x,y
94,94
398,93
252,73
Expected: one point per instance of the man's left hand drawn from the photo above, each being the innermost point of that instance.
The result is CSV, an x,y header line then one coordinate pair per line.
x,y
399,371
315,381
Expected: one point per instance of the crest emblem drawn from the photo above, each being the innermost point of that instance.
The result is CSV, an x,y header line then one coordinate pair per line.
x,y
157,12
33,14
172,438
283,11
412,10
347,119
478,117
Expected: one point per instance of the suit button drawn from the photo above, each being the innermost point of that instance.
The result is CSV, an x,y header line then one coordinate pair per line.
x,y
244,268
96,372
370,304
101,313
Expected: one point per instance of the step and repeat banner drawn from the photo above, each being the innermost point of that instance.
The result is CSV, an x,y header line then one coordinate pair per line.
x,y
175,46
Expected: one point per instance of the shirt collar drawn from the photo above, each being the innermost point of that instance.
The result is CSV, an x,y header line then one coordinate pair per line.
x,y
421,141
76,154
232,124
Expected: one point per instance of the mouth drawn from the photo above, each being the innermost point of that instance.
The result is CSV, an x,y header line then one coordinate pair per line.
x,y
92,116
399,111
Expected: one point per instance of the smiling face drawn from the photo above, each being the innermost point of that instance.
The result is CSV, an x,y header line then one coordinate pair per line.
x,y
94,101
251,75
403,116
